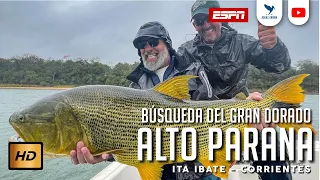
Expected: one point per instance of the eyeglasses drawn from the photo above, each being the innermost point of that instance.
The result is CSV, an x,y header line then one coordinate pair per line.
x,y
153,42
200,21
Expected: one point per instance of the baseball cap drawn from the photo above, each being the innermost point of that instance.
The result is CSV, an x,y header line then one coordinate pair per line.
x,y
202,7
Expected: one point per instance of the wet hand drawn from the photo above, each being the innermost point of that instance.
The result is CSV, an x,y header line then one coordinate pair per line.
x,y
257,96
82,155
267,36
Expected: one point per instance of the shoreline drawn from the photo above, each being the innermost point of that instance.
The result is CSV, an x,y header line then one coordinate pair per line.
x,y
70,87
38,88
306,92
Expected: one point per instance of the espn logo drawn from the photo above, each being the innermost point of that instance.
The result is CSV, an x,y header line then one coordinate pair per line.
x,y
228,15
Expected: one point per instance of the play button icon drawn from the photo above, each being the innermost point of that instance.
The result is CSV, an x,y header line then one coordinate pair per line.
x,y
298,12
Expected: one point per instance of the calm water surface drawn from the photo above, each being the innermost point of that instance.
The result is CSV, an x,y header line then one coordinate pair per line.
x,y
13,99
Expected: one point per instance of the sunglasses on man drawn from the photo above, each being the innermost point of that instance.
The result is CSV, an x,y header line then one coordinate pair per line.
x,y
200,20
153,42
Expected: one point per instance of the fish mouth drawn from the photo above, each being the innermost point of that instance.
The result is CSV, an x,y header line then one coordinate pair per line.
x,y
34,132
23,134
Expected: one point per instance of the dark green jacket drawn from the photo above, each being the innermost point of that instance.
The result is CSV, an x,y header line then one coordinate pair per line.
x,y
226,61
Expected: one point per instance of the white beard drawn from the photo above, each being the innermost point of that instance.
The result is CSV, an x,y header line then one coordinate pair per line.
x,y
155,65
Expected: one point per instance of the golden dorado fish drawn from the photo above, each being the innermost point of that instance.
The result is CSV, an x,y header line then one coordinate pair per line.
x,y
107,118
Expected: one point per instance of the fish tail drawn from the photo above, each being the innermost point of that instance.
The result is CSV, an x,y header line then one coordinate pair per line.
x,y
289,94
288,91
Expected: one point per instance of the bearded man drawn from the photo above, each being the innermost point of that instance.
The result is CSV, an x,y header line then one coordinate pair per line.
x,y
160,62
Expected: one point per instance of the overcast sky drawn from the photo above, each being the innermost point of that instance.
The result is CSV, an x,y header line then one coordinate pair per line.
x,y
105,29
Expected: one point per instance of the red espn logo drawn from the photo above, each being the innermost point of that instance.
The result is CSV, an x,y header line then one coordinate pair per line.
x,y
228,15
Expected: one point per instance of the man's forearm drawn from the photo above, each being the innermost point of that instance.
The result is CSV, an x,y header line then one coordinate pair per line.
x,y
276,59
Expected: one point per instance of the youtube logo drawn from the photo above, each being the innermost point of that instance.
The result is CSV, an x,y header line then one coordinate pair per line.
x,y
298,12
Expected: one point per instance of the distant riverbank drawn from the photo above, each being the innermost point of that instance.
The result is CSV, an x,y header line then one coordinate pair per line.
x,y
35,87
17,86
262,91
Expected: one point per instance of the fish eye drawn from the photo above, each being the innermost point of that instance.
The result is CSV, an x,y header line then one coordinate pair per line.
x,y
21,118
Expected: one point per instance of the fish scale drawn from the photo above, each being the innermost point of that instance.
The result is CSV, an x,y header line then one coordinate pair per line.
x,y
107,118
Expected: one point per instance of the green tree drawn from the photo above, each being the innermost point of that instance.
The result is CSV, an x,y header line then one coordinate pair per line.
x,y
32,70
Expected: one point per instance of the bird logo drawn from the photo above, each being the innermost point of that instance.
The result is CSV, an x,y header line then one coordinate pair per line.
x,y
269,8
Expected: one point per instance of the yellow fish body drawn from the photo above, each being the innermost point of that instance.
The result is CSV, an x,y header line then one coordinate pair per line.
x,y
107,118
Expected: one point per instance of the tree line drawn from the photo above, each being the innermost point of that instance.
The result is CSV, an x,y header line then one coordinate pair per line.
x,y
30,70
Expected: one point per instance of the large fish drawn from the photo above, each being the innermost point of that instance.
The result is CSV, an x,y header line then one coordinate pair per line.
x,y
107,118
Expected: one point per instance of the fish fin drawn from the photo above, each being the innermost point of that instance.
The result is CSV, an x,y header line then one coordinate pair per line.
x,y
47,155
240,96
150,171
219,157
179,159
297,127
296,115
206,163
176,87
288,91
291,94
